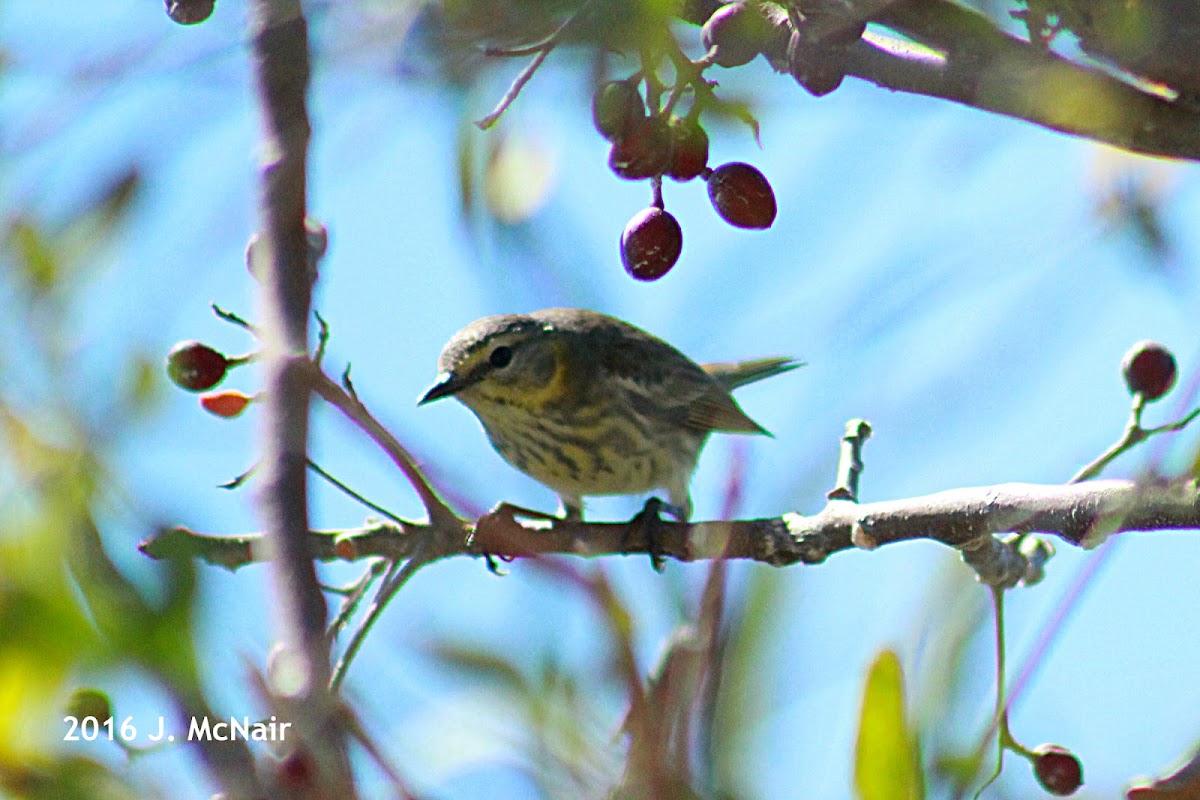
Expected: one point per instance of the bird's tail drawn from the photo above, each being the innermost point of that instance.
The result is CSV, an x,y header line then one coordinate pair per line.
x,y
733,374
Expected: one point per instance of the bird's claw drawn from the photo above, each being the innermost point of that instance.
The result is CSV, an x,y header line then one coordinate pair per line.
x,y
646,525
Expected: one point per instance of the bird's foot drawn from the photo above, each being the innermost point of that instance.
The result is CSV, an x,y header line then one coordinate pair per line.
x,y
514,511
646,525
499,525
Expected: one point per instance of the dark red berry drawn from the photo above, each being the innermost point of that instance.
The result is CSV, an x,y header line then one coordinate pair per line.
x,y
689,149
1057,769
617,108
738,32
195,366
296,771
742,195
190,12
779,24
651,244
644,153
847,35
1149,368
815,66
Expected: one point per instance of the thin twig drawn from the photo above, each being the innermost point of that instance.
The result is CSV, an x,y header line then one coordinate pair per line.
x,y
850,463
351,493
439,512
353,595
395,578
234,319
514,52
322,338
540,52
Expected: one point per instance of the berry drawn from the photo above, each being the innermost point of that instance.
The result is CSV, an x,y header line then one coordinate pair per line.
x,y
742,196
738,32
847,35
1057,769
228,404
617,108
316,238
190,12
1149,368
644,153
776,43
689,149
90,703
297,772
651,244
195,366
814,66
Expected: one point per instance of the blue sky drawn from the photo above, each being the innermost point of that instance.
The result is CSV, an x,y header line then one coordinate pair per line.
x,y
947,274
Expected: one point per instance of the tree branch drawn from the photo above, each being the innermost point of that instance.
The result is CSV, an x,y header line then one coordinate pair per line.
x,y
987,69
983,67
960,518
280,40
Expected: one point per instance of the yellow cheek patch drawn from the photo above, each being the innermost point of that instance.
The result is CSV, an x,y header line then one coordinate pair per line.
x,y
565,383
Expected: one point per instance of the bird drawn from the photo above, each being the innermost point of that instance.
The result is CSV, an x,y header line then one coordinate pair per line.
x,y
587,404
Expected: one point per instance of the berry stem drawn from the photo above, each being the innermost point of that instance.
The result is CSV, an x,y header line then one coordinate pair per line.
x,y
246,358
999,722
654,86
686,73
690,73
1133,435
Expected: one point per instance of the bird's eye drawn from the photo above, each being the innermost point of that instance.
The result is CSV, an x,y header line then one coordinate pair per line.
x,y
501,356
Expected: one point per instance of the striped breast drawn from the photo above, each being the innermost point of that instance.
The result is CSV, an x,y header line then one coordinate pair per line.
x,y
599,450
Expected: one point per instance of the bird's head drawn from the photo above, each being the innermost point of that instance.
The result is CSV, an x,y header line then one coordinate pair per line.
x,y
498,361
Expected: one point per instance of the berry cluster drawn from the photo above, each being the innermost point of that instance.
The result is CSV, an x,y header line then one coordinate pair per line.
x,y
650,141
651,146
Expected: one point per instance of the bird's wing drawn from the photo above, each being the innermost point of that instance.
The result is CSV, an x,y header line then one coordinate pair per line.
x,y
660,382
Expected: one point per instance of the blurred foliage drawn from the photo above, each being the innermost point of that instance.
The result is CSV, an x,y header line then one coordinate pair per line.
x,y
887,763
688,721
66,611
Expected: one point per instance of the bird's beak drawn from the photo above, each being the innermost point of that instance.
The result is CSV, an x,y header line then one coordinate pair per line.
x,y
447,384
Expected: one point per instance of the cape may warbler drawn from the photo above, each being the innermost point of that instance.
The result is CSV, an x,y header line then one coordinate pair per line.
x,y
590,405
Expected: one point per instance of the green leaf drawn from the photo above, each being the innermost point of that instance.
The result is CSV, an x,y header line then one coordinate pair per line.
x,y
37,260
735,109
886,761
480,664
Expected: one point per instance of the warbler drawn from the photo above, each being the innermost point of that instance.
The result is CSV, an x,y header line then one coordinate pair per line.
x,y
589,405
